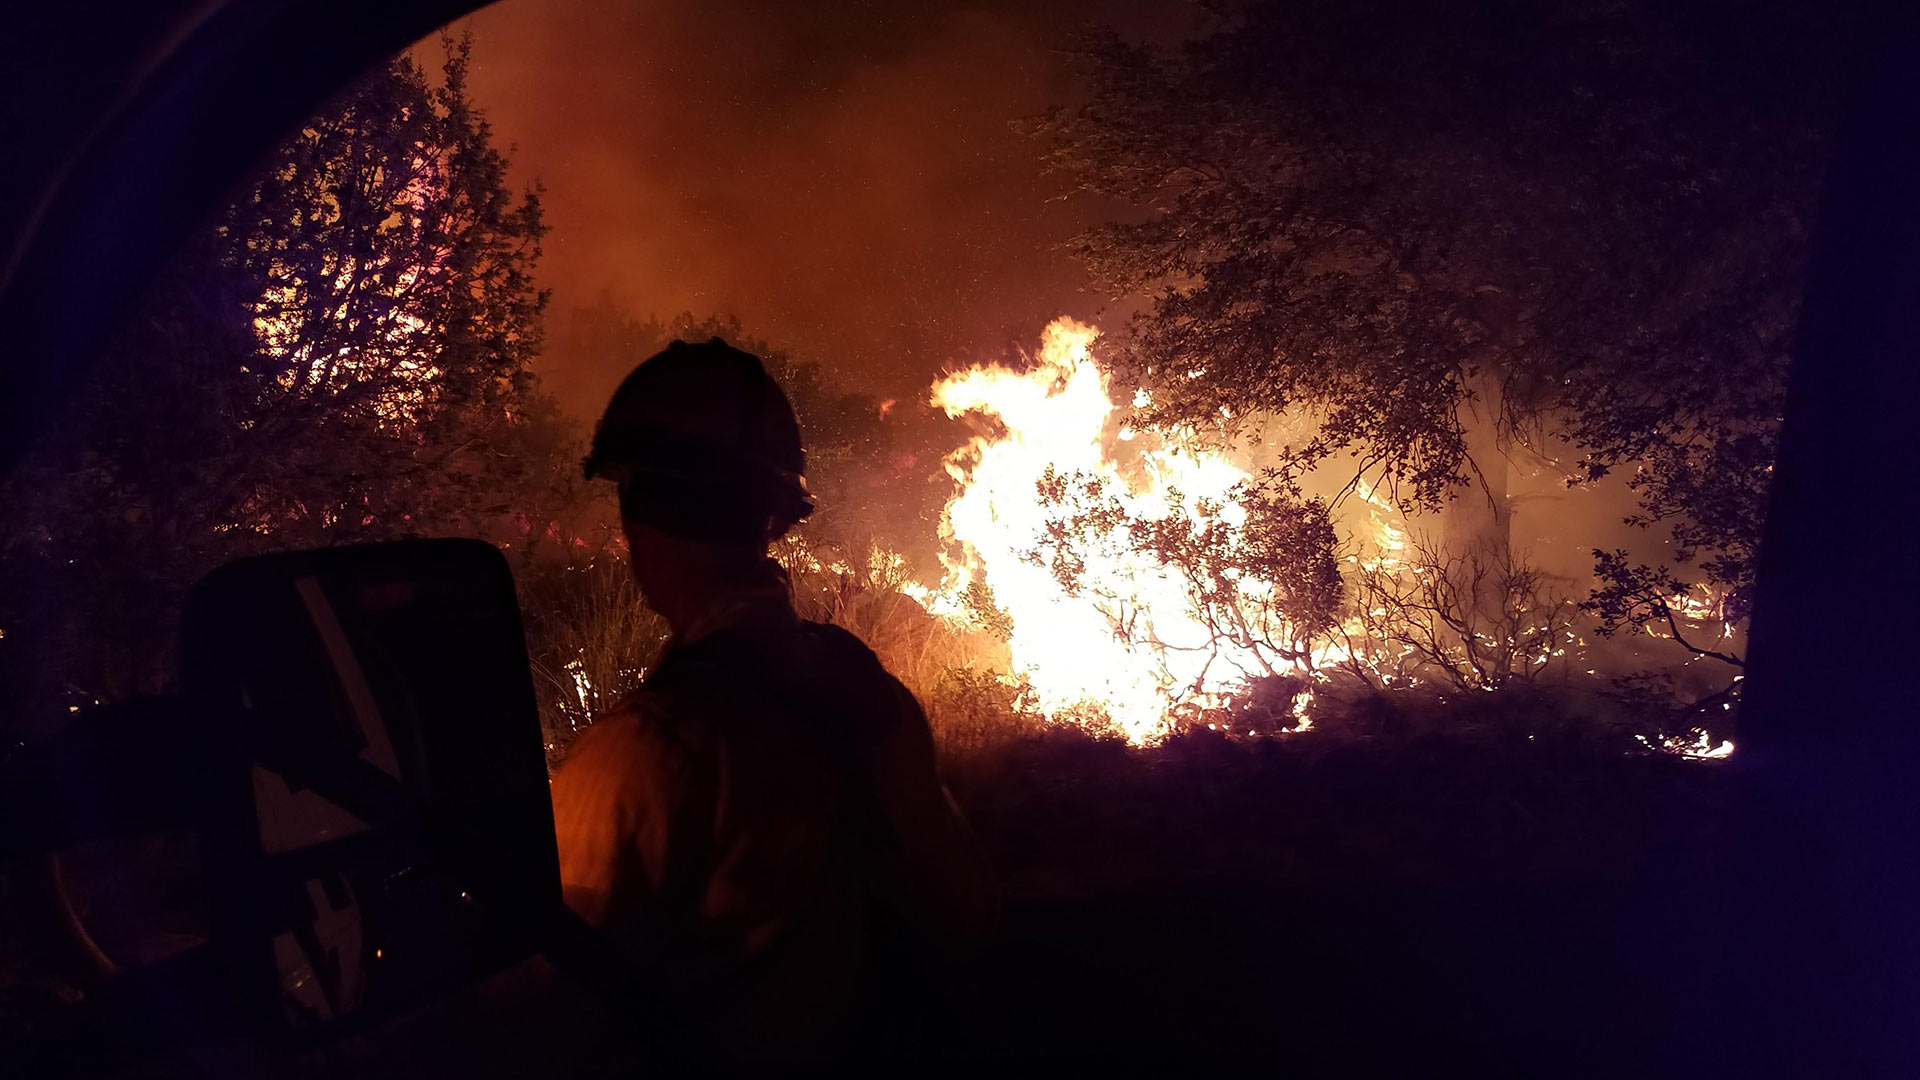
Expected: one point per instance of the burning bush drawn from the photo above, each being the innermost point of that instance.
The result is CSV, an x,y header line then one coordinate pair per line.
x,y
1479,619
1257,565
1140,575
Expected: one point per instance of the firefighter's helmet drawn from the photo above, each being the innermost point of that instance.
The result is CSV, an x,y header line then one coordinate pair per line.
x,y
704,444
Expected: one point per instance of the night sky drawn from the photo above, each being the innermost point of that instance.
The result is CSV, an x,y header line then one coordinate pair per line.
x,y
843,176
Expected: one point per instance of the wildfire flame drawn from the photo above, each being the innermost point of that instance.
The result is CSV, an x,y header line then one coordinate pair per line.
x,y
1122,637
1131,647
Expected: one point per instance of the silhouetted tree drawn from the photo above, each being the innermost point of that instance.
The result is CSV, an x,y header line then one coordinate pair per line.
x,y
342,355
1426,619
1435,229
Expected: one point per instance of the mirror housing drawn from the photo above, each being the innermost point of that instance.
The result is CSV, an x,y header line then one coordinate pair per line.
x,y
391,829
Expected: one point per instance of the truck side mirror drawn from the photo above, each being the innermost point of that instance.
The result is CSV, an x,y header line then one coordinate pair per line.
x,y
391,830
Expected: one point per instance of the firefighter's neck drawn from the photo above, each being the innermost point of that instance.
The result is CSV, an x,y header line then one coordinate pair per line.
x,y
695,585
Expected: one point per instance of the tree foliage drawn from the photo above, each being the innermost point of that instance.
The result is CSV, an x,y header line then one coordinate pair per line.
x,y
1635,594
341,355
1258,567
1572,219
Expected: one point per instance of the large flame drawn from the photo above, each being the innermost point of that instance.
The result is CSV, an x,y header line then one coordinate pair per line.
x,y
1124,636
1130,646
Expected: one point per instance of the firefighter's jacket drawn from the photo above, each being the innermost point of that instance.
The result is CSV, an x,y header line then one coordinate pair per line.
x,y
759,823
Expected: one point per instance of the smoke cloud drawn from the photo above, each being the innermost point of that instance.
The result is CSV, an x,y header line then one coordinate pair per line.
x,y
842,176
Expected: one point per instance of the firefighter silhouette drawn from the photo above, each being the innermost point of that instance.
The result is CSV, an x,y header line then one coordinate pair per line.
x,y
761,826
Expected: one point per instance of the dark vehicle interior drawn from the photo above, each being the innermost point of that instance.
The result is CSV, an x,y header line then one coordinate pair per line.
x,y
355,749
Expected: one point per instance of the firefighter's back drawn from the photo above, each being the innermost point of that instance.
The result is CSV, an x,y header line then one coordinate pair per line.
x,y
765,863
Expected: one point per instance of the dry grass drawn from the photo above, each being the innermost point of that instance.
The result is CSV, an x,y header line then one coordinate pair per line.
x,y
957,672
591,640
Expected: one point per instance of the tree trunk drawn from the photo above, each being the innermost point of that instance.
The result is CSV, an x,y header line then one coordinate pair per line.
x,y
1477,525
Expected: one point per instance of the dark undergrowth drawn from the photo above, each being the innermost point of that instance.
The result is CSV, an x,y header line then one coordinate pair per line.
x,y
1468,899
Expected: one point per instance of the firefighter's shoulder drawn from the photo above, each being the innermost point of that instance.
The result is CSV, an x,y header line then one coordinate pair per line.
x,y
641,730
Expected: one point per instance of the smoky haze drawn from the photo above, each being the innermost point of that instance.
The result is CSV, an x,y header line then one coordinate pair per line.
x,y
844,177
847,179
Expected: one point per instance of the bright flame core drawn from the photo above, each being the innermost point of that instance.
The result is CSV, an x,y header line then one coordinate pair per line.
x,y
1129,644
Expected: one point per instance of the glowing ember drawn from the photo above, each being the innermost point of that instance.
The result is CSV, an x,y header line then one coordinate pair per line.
x,y
1699,747
1128,642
